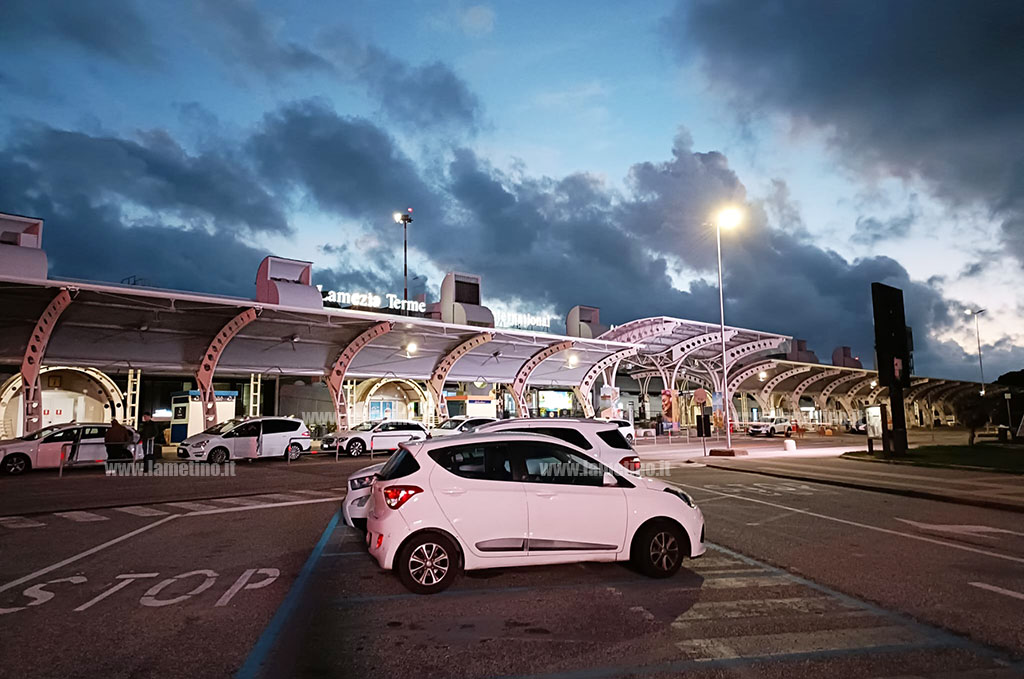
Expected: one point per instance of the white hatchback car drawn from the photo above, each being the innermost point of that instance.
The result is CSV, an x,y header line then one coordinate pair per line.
x,y
459,424
256,437
82,444
770,426
516,499
373,437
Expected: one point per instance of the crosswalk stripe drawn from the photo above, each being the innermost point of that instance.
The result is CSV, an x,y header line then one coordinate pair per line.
x,y
19,522
190,506
81,517
752,581
748,608
281,497
136,510
316,493
240,501
721,648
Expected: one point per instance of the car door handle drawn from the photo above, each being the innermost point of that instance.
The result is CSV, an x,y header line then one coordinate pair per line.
x,y
453,491
545,493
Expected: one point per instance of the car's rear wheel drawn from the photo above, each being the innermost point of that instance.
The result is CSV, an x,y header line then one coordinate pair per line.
x,y
658,549
356,448
218,456
771,432
15,464
427,563
294,451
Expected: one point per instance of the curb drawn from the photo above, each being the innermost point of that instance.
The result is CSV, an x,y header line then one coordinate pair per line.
x,y
920,494
932,465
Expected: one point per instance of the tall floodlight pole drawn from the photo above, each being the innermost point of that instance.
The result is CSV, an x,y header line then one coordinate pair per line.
x,y
726,219
977,332
405,218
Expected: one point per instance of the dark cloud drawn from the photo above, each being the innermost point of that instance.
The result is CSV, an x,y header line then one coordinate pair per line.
x,y
924,88
110,28
152,172
871,230
249,39
347,165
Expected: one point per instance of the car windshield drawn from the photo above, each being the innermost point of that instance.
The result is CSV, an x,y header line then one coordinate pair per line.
x,y
364,426
449,424
41,432
222,427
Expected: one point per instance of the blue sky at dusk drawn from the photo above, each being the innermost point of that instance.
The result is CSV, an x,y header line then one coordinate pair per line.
x,y
569,152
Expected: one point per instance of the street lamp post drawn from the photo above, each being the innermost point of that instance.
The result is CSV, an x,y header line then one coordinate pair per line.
x,y
405,218
977,331
727,219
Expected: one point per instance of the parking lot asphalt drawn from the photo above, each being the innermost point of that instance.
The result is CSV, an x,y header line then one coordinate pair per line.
x,y
256,577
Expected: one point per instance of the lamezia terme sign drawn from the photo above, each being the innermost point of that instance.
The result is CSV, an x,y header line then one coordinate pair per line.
x,y
371,300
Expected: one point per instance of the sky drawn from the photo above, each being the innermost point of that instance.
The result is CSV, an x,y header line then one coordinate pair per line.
x,y
568,152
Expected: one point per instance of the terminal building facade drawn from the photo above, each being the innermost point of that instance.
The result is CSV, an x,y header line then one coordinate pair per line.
x,y
89,352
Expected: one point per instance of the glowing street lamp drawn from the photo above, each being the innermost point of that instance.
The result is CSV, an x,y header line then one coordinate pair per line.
x,y
728,218
977,331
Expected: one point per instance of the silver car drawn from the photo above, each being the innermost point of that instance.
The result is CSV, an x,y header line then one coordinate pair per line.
x,y
81,444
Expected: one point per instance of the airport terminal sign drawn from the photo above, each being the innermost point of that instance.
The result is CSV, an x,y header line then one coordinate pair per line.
x,y
371,300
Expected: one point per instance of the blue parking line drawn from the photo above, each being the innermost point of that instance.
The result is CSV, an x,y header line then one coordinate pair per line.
x,y
254,661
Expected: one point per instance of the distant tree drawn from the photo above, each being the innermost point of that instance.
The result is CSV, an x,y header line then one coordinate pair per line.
x,y
1014,378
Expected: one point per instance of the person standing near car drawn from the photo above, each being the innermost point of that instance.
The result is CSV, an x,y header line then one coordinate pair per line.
x,y
151,437
115,440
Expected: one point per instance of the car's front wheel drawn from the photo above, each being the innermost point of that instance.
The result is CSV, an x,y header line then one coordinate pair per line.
x,y
356,448
771,432
427,564
658,549
294,451
15,464
217,456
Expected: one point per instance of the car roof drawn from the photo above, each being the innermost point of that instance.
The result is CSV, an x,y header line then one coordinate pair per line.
x,y
575,422
482,437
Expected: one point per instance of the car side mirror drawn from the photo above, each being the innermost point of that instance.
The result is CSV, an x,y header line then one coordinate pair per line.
x,y
609,480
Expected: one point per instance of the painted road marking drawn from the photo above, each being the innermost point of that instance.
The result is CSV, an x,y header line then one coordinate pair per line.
x,y
81,517
240,501
878,529
265,506
997,590
19,522
316,493
787,643
138,510
969,530
88,552
281,497
751,608
190,506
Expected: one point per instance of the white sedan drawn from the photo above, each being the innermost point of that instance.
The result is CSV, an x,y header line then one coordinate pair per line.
x,y
373,437
460,424
80,444
516,499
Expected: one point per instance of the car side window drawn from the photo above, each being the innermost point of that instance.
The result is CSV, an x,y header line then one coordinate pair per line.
x,y
62,436
567,434
540,462
486,461
614,439
93,432
411,426
386,426
247,430
279,426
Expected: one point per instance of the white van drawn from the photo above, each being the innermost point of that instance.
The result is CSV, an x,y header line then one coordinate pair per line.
x,y
256,437
82,443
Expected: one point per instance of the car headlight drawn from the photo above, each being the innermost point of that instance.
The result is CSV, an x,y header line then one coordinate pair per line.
x,y
681,495
200,444
361,482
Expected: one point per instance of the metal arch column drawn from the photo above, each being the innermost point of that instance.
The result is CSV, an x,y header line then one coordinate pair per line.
x,y
943,397
831,387
587,383
31,362
916,387
802,387
686,347
852,391
740,378
764,398
732,356
519,383
336,375
875,393
208,363
435,385
640,329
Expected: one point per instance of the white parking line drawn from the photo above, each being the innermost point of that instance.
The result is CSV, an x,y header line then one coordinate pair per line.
x,y
315,493
280,497
19,522
997,590
265,506
786,643
878,529
240,501
137,510
88,552
81,517
190,506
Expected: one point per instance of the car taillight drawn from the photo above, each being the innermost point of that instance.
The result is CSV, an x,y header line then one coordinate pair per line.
x,y
396,496
305,433
632,463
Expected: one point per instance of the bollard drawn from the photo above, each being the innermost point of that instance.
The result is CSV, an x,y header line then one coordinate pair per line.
x,y
790,445
871,446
